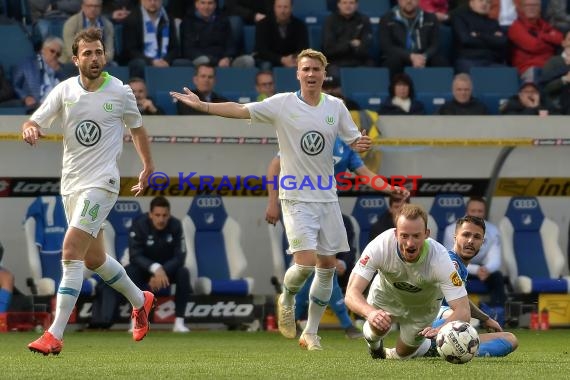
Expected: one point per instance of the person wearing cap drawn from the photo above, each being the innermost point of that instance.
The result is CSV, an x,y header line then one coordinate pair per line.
x,y
527,102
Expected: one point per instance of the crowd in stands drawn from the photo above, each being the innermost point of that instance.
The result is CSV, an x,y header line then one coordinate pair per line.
x,y
207,35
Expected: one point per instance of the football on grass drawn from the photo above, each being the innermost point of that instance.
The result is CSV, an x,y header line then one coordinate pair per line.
x,y
457,342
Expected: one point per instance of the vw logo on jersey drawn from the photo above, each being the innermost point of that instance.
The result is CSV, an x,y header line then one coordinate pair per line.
x,y
88,133
407,287
312,143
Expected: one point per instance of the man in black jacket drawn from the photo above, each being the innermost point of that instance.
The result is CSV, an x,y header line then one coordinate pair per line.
x,y
347,36
204,79
463,103
280,37
157,254
409,37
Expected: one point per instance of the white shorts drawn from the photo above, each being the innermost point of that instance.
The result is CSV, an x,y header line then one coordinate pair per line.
x,y
412,319
314,226
87,209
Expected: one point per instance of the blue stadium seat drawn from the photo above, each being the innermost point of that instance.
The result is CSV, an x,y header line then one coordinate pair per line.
x,y
285,79
249,39
374,9
120,72
446,42
315,37
531,251
161,80
236,84
432,85
117,228
366,211
214,255
494,85
446,209
13,110
45,226
311,12
49,26
368,86
16,47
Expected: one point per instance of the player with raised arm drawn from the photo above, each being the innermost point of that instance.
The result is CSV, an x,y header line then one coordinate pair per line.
x,y
307,123
413,274
94,108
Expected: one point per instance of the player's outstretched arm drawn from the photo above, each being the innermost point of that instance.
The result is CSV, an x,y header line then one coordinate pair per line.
x,y
227,109
140,139
380,183
31,132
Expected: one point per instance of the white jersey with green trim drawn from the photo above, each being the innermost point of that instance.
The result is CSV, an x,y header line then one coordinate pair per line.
x,y
306,137
405,288
93,123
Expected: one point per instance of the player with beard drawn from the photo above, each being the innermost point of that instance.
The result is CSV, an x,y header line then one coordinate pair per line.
x,y
469,237
94,109
413,274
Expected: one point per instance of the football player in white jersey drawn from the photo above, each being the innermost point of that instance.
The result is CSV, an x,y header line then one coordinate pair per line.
x,y
307,123
414,273
94,109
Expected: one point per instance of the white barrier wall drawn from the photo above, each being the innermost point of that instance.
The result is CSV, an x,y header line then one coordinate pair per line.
x,y
19,160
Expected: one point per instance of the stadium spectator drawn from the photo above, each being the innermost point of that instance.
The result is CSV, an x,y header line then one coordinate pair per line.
x,y
245,12
157,256
533,40
402,100
463,102
528,101
332,86
204,81
6,285
144,103
206,37
392,255
89,16
555,77
386,220
312,218
264,84
347,36
149,38
118,10
409,37
504,11
480,41
35,77
486,265
439,8
558,14
45,9
7,95
280,37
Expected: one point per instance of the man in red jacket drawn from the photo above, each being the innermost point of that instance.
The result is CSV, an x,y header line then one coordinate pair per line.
x,y
534,40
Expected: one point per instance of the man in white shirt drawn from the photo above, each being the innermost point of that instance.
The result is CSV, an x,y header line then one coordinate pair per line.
x,y
307,123
93,108
486,266
413,274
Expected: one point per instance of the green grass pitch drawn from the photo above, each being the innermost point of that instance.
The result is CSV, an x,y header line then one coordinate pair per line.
x,y
264,355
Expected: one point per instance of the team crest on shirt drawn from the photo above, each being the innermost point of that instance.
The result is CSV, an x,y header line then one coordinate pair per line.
x,y
108,107
312,143
329,120
88,133
455,279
